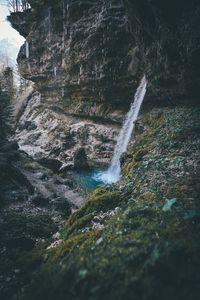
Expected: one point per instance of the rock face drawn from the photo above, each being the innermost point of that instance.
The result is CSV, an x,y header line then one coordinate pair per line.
x,y
83,53
137,239
34,203
78,56
86,59
46,132
167,35
79,52
80,159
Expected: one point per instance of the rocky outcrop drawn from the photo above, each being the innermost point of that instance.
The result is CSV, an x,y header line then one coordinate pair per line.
x,y
89,52
78,55
78,52
34,204
46,132
80,159
86,58
167,35
137,239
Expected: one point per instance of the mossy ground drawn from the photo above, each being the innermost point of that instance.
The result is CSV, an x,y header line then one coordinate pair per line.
x,y
149,248
23,242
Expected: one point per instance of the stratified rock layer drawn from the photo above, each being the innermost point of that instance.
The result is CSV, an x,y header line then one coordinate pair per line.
x,y
49,132
167,35
96,51
78,54
80,50
87,57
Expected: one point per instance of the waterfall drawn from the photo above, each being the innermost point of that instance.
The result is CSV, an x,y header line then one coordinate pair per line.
x,y
113,172
27,49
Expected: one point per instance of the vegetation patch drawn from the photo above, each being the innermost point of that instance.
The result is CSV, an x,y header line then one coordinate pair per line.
x,y
148,246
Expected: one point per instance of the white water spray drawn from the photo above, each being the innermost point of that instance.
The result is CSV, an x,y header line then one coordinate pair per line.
x,y
27,49
55,71
113,172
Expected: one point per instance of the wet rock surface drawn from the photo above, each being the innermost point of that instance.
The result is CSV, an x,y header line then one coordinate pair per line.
x,y
56,136
168,49
86,59
96,52
137,239
34,203
79,50
77,54
80,159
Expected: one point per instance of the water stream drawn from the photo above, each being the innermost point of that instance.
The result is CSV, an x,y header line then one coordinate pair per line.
x,y
27,49
114,171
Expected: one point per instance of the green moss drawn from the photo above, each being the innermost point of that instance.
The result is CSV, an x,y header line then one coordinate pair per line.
x,y
78,242
147,197
73,226
102,199
143,252
143,146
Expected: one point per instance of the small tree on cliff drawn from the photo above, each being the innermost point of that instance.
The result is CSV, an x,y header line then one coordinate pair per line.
x,y
18,5
6,94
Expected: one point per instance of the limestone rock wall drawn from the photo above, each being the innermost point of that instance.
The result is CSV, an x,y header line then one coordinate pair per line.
x,y
80,50
46,132
78,54
167,34
86,59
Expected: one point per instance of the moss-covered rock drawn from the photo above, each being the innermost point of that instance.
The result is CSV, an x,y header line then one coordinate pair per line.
x,y
148,248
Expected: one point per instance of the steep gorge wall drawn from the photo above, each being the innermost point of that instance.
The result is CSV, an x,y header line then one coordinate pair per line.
x,y
86,59
167,35
81,51
78,55
137,239
99,49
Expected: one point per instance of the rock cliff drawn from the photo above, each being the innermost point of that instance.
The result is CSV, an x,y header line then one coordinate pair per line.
x,y
79,55
86,59
138,238
167,36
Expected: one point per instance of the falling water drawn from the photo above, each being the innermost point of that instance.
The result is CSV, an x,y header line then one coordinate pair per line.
x,y
113,172
81,70
55,71
27,49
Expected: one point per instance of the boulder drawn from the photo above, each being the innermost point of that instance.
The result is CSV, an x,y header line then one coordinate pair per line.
x,y
52,164
80,159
